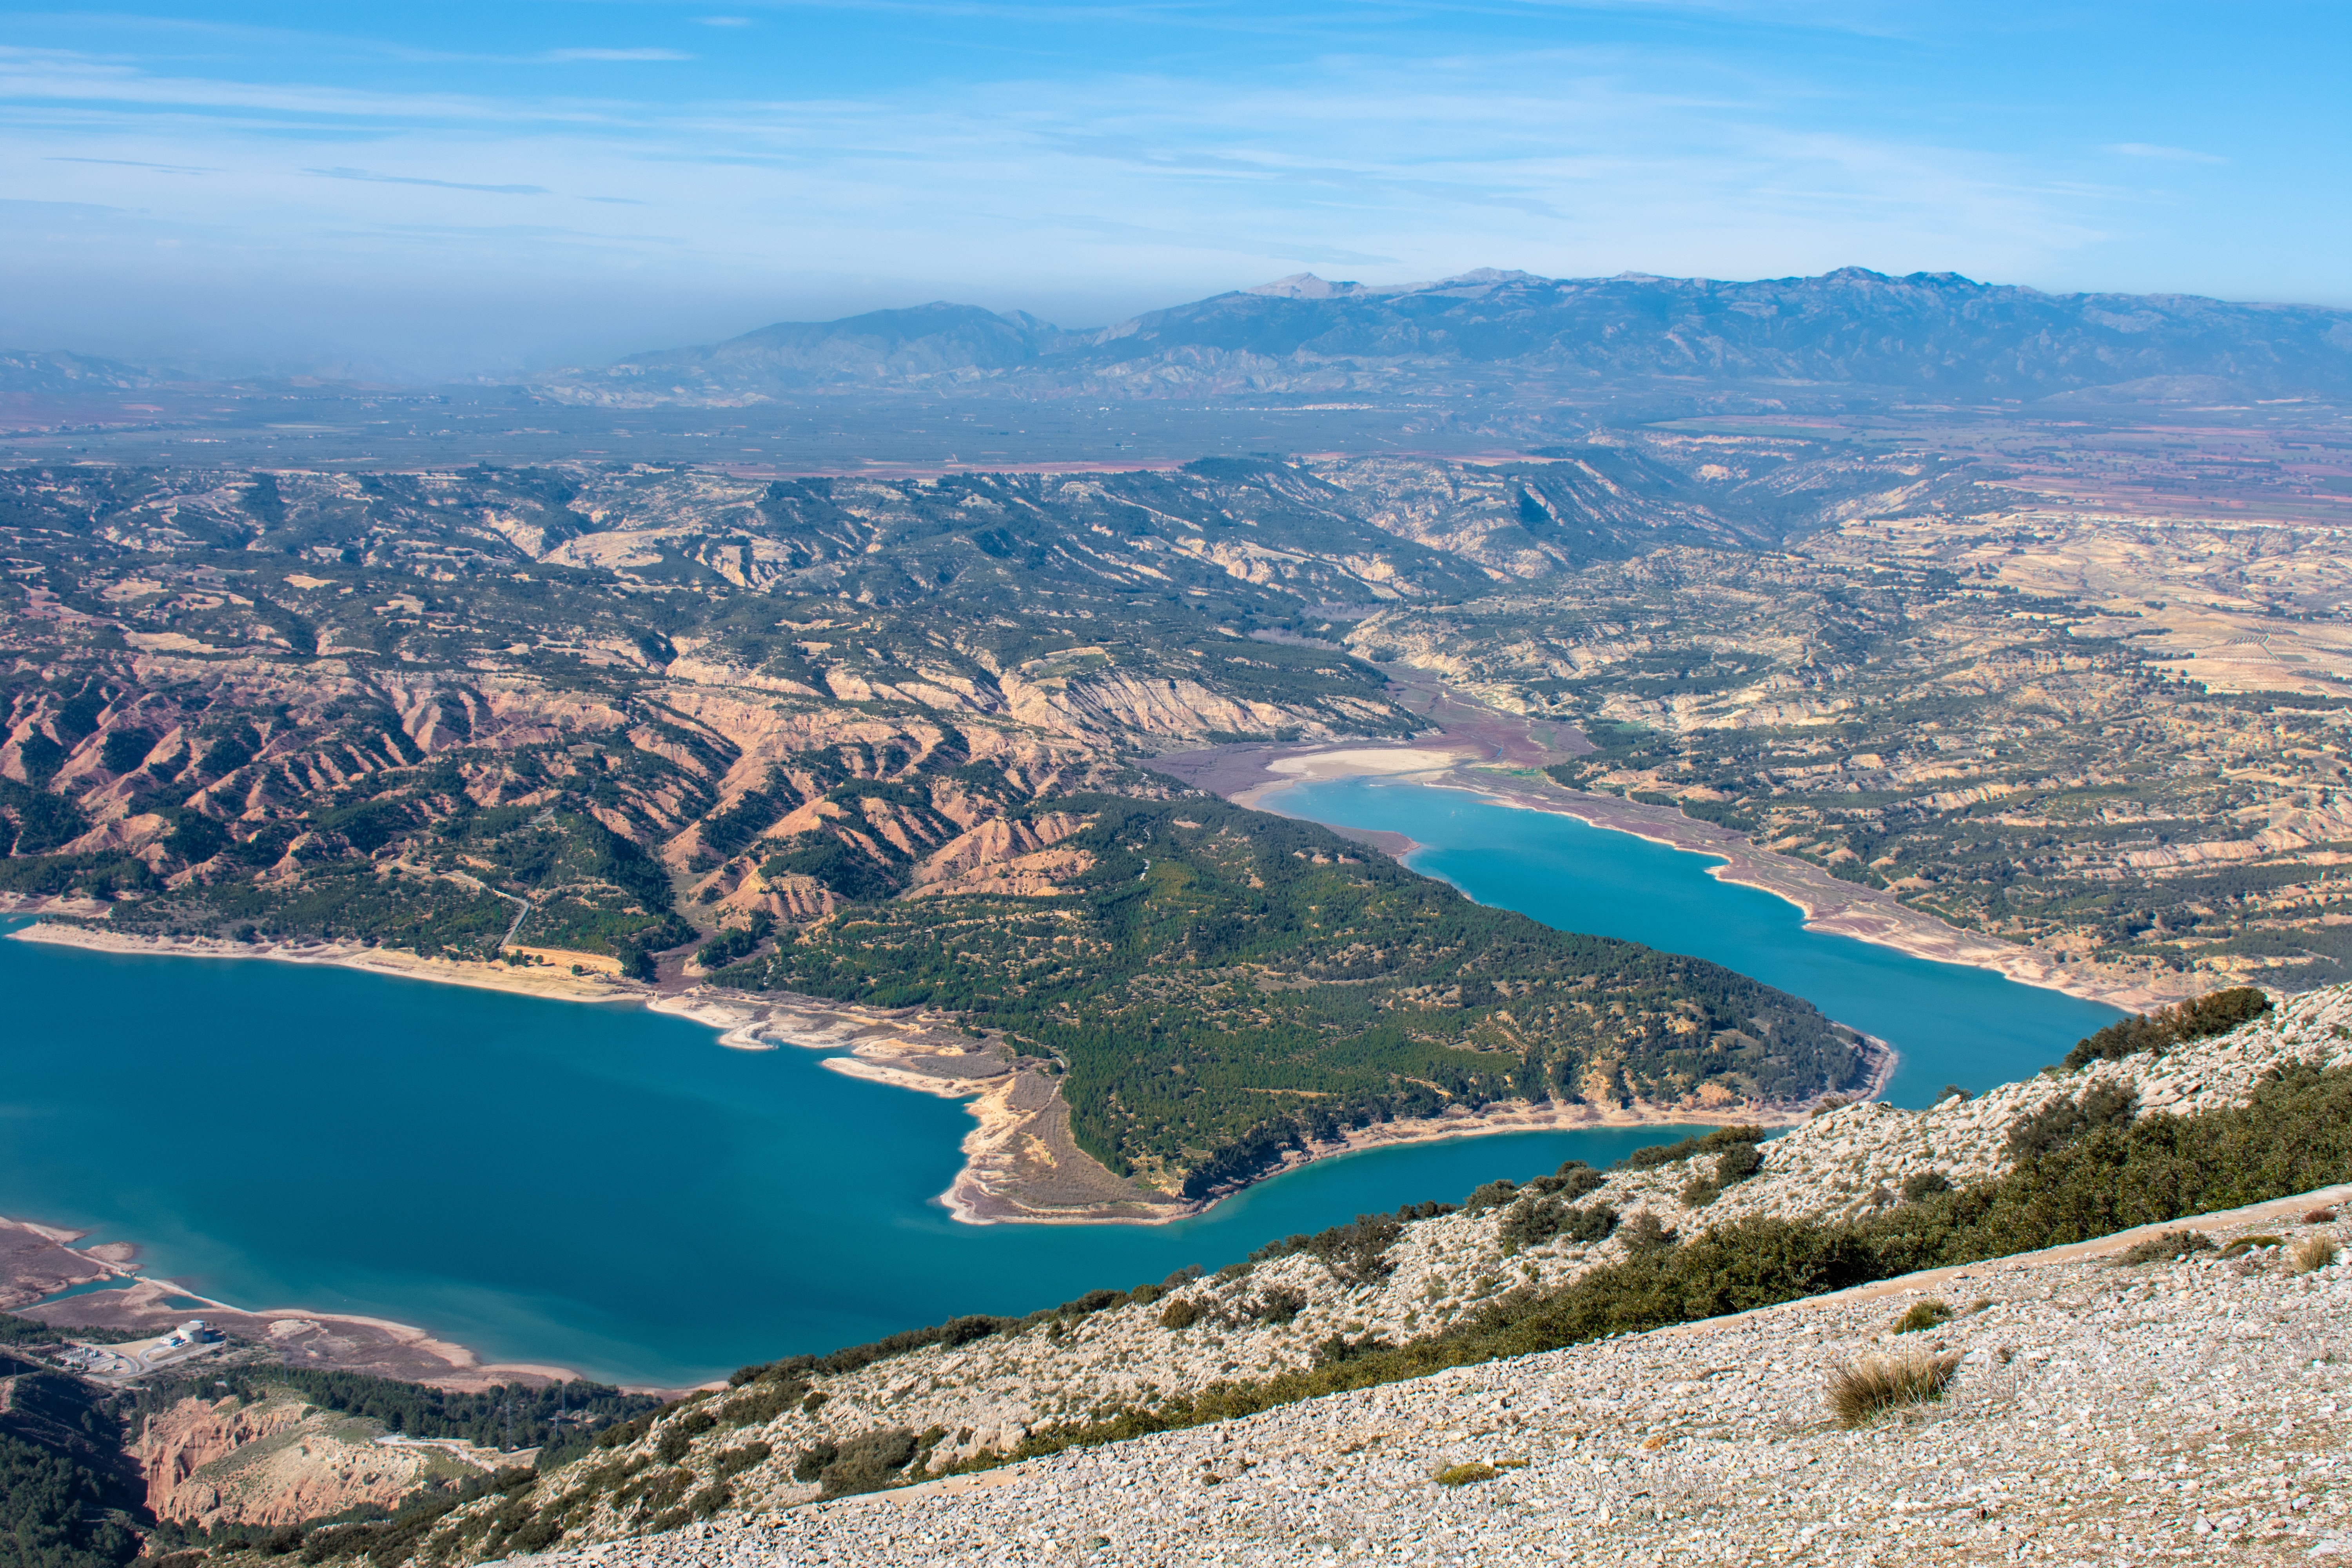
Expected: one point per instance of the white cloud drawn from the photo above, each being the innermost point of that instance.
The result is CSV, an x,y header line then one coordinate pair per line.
x,y
1079,199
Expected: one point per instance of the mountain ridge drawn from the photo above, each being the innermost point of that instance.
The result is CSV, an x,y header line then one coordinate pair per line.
x,y
1938,333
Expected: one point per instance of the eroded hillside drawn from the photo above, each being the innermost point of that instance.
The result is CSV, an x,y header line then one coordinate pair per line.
x,y
2122,740
865,740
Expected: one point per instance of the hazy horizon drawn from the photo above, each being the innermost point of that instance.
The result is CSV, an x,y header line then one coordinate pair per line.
x,y
450,190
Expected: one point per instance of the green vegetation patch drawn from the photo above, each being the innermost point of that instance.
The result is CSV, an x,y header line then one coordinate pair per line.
x,y
1223,985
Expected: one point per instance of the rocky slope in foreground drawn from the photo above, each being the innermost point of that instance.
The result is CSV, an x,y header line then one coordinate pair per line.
x,y
760,1449
2188,1409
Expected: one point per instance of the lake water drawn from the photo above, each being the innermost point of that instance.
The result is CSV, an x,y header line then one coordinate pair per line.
x,y
1952,1024
611,1190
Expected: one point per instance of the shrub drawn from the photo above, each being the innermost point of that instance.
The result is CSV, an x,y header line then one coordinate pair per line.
x,y
1536,1220
536,1534
2198,1018
1182,1312
1923,1316
1093,1301
2313,1252
1872,1385
1738,1163
1357,1253
1572,1181
811,1462
1493,1194
1531,1222
2294,1134
1338,1349
1924,1183
2064,1120
1144,1295
761,1403
1698,1192
2163,1247
1703,1144
868,1463
1644,1233
1279,1304
735,1461
1463,1475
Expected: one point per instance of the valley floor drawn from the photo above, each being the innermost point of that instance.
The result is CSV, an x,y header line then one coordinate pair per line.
x,y
2194,1409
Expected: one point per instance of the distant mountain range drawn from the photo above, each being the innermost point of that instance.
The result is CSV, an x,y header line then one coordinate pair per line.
x,y
1931,335
1849,337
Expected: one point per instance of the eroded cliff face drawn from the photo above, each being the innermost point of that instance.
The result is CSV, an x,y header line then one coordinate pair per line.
x,y
279,1460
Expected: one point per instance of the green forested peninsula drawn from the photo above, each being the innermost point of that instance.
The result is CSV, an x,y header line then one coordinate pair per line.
x,y
1217,982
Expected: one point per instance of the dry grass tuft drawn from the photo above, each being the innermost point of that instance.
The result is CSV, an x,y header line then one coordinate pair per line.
x,y
2314,1252
2164,1246
1463,1475
1923,1316
1874,1384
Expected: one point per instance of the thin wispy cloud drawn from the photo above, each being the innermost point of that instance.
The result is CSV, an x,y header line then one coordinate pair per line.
x,y
2163,153
370,177
133,164
563,57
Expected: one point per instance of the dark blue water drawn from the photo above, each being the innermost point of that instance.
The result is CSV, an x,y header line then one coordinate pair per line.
x,y
609,1189
1952,1024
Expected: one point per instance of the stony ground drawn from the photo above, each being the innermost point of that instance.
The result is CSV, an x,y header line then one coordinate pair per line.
x,y
2165,1404
2102,1413
990,1394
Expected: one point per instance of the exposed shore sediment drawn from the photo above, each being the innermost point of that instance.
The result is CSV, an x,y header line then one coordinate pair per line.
x,y
527,980
37,1261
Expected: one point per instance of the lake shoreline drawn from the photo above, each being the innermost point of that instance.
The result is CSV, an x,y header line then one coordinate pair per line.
x,y
1021,1165
1254,776
40,1258
524,980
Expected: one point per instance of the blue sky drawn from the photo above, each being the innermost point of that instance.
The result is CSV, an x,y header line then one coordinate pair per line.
x,y
432,187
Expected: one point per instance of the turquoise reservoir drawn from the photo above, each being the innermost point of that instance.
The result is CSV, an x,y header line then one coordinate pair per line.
x,y
1952,1024
612,1190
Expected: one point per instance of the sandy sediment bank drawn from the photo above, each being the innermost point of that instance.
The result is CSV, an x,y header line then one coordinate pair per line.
x,y
37,1261
531,980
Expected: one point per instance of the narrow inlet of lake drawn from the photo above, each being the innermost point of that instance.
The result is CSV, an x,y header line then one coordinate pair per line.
x,y
1952,1024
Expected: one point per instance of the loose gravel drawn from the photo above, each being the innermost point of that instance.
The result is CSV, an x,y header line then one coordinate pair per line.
x,y
2102,1413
